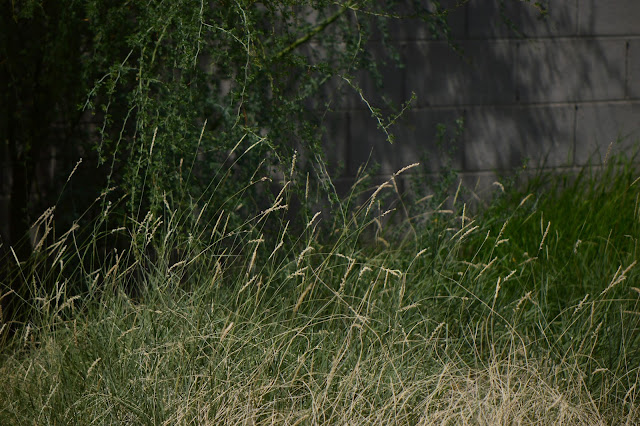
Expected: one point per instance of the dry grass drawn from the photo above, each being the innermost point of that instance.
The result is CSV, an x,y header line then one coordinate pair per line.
x,y
456,325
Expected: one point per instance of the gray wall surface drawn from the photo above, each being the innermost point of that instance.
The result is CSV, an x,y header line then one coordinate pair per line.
x,y
559,93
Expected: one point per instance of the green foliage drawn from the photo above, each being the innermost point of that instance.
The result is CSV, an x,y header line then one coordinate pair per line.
x,y
235,74
181,103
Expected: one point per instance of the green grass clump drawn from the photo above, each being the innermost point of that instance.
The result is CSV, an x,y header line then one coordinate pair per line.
x,y
525,314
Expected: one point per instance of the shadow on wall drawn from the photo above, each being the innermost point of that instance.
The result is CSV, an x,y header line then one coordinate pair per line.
x,y
554,90
4,190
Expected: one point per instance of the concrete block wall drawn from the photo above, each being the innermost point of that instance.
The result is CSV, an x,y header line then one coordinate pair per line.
x,y
557,92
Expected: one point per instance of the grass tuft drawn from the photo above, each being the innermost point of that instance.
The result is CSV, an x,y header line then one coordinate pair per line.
x,y
527,313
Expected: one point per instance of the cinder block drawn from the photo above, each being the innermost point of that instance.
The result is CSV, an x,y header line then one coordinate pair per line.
x,y
335,140
633,69
452,13
5,174
344,186
486,19
571,70
415,141
610,17
478,189
501,138
328,94
343,93
4,220
601,126
484,74
5,169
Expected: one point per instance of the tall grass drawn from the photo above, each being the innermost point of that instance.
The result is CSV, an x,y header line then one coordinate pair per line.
x,y
525,314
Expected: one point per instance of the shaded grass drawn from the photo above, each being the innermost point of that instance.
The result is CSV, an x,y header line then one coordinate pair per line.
x,y
499,319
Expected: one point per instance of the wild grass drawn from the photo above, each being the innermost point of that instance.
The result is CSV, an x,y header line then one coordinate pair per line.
x,y
526,313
